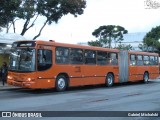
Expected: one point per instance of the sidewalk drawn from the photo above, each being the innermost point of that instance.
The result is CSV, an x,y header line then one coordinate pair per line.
x,y
6,86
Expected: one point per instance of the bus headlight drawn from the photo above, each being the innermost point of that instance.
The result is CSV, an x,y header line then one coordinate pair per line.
x,y
30,79
9,77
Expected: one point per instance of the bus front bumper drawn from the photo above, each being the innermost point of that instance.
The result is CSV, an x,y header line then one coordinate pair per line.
x,y
21,84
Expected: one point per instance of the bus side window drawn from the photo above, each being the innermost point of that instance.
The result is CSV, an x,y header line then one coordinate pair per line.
x,y
90,57
139,60
146,60
152,60
132,60
101,58
112,59
44,59
62,55
76,56
156,61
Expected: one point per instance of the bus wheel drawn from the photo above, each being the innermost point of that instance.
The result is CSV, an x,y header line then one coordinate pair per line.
x,y
145,77
61,83
109,80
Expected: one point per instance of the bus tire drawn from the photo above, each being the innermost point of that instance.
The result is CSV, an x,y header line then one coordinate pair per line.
x,y
61,83
145,77
109,80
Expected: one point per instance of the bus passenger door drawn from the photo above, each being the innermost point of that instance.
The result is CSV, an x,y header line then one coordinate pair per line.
x,y
90,75
76,67
90,68
153,68
44,65
76,75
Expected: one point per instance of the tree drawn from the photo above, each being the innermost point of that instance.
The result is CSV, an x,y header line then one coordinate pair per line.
x,y
144,47
8,9
106,34
124,47
53,10
97,43
29,13
152,39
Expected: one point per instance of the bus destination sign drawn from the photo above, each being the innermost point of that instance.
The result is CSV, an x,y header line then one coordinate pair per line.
x,y
24,44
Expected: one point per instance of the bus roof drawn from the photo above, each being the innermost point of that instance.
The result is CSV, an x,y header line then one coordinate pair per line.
x,y
142,53
53,43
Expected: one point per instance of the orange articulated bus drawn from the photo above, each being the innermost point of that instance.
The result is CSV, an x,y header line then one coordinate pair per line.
x,y
48,64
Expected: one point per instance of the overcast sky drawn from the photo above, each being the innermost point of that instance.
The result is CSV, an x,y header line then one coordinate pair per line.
x,y
131,14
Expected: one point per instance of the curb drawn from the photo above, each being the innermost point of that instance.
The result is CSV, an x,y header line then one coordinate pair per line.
x,y
6,86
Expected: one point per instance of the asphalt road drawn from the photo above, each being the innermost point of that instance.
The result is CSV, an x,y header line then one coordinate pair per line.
x,y
121,97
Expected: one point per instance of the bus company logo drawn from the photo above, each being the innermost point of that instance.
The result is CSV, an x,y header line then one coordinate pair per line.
x,y
6,114
152,4
21,114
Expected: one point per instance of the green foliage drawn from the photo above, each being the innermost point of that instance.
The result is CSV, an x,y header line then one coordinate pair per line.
x,y
53,10
141,46
29,10
8,9
95,43
106,34
124,47
152,38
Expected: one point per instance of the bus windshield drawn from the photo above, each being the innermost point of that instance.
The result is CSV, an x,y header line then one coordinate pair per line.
x,y
22,59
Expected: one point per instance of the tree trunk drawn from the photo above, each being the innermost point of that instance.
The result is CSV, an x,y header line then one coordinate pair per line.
x,y
109,42
40,30
7,30
14,29
25,27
